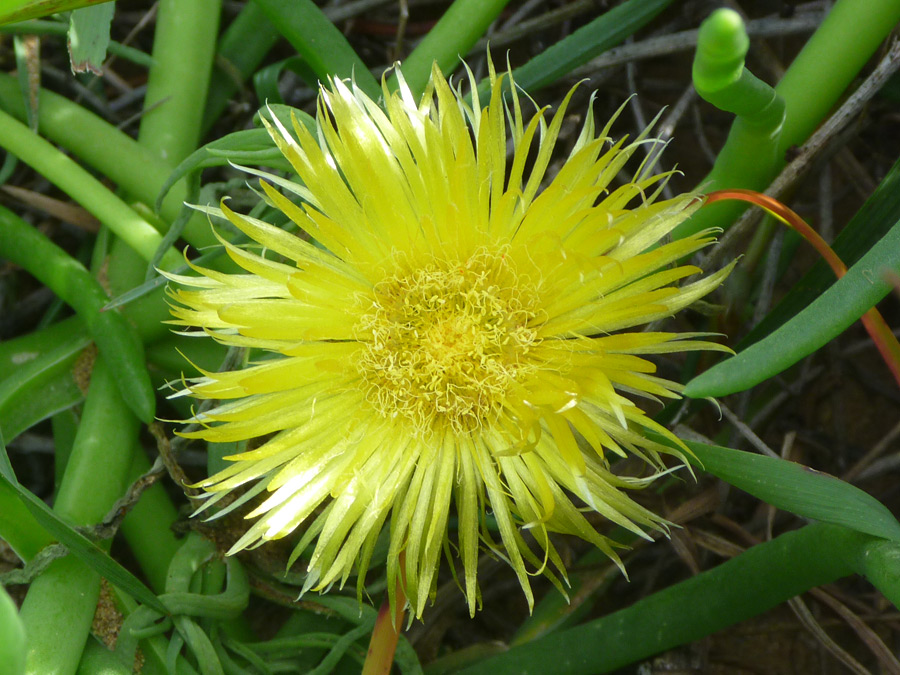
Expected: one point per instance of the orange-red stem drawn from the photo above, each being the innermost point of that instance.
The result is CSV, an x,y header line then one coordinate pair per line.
x,y
878,330
386,633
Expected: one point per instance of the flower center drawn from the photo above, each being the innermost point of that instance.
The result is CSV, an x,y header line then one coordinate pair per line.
x,y
447,340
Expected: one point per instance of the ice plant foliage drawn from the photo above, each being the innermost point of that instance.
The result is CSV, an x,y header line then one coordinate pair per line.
x,y
450,344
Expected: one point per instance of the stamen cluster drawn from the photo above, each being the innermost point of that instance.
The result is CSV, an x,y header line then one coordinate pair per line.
x,y
446,341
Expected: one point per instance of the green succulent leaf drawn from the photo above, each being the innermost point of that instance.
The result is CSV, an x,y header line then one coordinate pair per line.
x,y
798,489
821,321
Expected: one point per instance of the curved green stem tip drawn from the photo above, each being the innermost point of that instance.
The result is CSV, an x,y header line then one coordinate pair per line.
x,y
722,44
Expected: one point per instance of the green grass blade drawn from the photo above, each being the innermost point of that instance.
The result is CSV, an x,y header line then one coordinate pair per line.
x,y
871,223
77,544
784,484
604,32
798,489
319,42
822,320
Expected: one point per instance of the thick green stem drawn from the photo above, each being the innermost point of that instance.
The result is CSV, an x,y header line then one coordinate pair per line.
x,y
67,278
753,582
57,614
105,439
720,77
183,49
18,528
147,527
65,428
880,564
59,607
83,188
457,31
137,170
98,660
813,83
829,62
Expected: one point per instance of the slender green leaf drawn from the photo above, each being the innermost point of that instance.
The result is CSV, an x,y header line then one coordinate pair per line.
x,y
821,321
251,146
115,337
266,80
798,489
79,545
241,49
37,27
89,37
319,42
27,50
784,484
18,351
10,162
18,528
604,32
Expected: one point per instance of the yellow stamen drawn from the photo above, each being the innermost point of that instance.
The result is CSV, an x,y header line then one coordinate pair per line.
x,y
445,340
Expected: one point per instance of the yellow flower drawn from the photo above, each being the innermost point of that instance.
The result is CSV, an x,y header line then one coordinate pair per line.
x,y
448,345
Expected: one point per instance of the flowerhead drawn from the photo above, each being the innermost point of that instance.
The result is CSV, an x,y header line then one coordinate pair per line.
x,y
455,341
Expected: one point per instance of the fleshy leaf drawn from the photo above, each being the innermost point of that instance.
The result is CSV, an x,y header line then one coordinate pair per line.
x,y
821,321
798,489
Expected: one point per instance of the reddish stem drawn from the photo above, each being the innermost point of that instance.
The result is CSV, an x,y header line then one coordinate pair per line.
x,y
386,633
878,330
